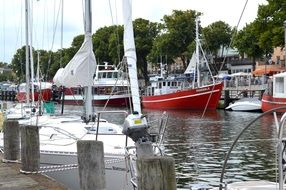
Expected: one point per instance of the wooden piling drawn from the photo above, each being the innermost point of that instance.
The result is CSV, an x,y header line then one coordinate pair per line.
x,y
226,98
11,140
156,172
30,148
91,165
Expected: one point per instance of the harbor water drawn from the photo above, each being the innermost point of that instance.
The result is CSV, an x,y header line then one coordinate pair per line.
x,y
199,142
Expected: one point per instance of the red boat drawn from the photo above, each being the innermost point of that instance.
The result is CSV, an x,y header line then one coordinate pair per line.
x,y
275,94
42,91
74,96
199,98
185,91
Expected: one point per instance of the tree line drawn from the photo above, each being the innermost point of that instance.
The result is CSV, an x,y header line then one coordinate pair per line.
x,y
173,37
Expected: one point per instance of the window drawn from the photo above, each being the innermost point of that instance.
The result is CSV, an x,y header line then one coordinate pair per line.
x,y
279,85
109,75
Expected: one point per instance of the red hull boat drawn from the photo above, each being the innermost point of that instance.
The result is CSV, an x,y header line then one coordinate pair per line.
x,y
275,94
269,102
185,91
44,92
199,98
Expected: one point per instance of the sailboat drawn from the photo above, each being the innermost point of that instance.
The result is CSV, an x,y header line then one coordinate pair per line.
x,y
175,93
30,91
59,133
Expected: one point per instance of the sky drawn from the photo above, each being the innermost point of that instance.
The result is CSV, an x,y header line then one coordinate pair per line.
x,y
46,18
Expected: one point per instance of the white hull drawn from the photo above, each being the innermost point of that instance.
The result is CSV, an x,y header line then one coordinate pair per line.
x,y
96,97
58,146
252,185
245,104
116,172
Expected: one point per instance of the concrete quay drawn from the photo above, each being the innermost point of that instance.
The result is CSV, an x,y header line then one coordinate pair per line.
x,y
12,179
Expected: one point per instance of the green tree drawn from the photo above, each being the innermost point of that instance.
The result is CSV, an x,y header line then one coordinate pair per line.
x,y
145,32
246,42
18,64
107,44
268,25
7,76
217,35
177,35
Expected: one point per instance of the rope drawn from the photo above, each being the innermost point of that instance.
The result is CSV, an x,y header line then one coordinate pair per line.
x,y
10,161
56,168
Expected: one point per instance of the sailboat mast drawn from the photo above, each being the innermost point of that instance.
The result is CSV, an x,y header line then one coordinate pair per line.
x,y
198,52
27,52
130,54
88,37
30,21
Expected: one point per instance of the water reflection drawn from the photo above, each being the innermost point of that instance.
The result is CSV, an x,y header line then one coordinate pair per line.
x,y
199,144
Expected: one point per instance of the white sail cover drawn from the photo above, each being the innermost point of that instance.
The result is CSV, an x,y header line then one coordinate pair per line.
x,y
192,65
130,54
81,68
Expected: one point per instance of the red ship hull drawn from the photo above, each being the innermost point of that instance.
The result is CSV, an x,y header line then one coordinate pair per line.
x,y
111,102
197,99
45,94
269,102
117,100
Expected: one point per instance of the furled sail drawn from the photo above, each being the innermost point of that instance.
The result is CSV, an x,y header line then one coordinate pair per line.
x,y
80,70
130,54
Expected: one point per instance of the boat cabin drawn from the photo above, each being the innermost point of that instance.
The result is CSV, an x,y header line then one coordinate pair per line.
x,y
165,86
106,72
279,85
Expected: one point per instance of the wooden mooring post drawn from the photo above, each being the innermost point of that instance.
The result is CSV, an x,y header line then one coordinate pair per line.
x,y
227,99
30,149
91,165
156,172
11,141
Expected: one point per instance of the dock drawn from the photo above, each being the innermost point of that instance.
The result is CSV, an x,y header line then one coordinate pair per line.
x,y
12,179
233,93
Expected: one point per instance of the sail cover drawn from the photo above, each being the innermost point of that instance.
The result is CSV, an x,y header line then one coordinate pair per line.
x,y
130,54
81,68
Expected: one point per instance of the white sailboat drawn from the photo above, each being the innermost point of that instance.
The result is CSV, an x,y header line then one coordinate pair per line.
x,y
116,149
59,133
30,91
